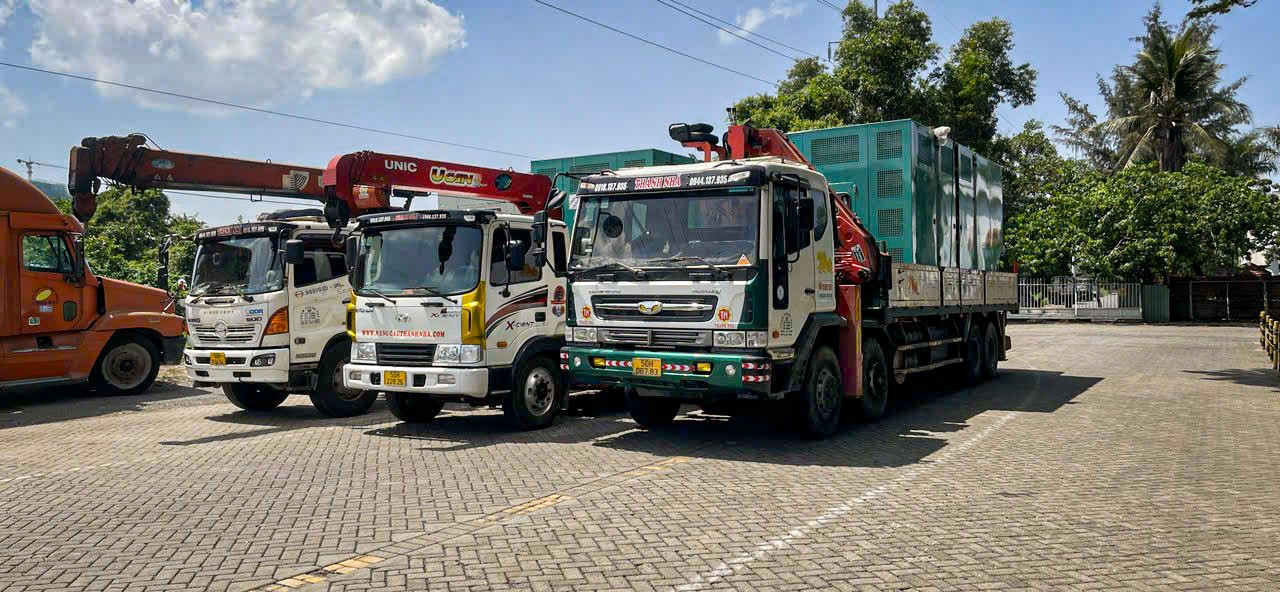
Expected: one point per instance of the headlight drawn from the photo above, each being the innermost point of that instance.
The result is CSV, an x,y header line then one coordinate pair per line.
x,y
458,354
584,334
757,339
364,352
265,360
730,339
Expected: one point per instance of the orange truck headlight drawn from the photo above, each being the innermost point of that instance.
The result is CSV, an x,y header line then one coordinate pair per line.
x,y
279,322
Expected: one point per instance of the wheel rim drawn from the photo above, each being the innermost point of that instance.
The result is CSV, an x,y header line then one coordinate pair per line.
x,y
539,391
126,366
827,392
340,389
877,384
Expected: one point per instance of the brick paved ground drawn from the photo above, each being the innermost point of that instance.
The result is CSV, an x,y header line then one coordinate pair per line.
x,y
1104,457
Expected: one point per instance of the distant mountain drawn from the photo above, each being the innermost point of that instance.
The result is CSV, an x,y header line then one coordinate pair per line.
x,y
55,191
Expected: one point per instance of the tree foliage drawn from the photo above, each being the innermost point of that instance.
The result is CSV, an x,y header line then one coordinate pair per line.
x,y
124,237
1205,8
1142,223
890,68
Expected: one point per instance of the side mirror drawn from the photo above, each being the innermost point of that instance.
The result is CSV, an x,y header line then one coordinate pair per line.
x,y
352,246
293,251
516,251
77,267
538,257
539,229
806,213
556,200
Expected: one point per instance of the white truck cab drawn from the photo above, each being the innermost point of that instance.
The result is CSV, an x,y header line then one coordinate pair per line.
x,y
265,313
447,308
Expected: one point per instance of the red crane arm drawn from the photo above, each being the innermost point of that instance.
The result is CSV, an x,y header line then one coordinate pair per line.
x,y
128,161
362,182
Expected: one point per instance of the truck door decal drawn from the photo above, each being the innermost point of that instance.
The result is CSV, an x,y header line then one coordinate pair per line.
x,y
536,298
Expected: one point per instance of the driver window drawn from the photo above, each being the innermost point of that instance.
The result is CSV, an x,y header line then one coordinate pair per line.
x,y
46,253
498,260
819,214
322,261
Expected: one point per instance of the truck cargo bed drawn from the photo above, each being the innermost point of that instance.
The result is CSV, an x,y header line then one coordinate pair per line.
x,y
929,289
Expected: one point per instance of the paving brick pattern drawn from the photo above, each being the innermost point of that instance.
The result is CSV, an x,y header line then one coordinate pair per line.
x,y
1104,457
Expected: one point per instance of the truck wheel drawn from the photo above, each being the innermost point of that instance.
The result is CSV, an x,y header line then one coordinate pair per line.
x,y
254,397
990,351
971,369
652,412
127,366
536,393
332,398
822,400
875,381
411,408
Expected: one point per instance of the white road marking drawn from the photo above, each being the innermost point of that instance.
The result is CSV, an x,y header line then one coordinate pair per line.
x,y
769,547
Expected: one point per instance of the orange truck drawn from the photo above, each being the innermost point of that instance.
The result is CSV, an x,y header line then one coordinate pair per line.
x,y
60,323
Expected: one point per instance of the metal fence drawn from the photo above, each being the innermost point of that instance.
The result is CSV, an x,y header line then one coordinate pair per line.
x,y
1078,298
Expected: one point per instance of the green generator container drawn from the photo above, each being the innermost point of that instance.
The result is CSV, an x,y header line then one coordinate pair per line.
x,y
929,204
595,163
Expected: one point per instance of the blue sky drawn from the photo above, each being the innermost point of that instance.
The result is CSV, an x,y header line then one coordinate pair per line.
x,y
529,80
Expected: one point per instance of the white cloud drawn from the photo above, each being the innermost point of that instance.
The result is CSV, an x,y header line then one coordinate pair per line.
x,y
755,18
6,11
11,107
253,51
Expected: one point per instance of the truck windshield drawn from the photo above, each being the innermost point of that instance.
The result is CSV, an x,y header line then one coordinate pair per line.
x,y
667,230
437,260
237,265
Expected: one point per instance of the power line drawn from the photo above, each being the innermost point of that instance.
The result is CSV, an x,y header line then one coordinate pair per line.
x,y
735,34
260,110
654,43
752,33
830,5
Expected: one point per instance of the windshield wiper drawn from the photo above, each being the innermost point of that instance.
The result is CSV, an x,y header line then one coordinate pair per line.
x,y
240,292
694,258
429,290
378,294
615,264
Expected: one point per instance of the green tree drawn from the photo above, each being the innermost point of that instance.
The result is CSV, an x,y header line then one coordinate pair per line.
x,y
1205,8
1172,102
1142,223
1091,142
124,236
889,68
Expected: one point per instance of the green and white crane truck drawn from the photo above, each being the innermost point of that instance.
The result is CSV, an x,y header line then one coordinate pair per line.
x,y
750,277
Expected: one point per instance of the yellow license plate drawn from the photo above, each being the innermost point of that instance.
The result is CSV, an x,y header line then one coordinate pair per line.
x,y
646,367
393,378
217,358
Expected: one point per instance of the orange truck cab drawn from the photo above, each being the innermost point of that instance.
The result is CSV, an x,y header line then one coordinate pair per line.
x,y
59,323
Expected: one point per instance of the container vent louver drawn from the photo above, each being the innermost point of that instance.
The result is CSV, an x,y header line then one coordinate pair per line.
x,y
889,183
888,145
889,222
594,167
948,160
966,168
634,163
836,150
924,150
896,254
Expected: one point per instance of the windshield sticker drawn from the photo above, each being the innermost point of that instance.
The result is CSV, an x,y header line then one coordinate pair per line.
x,y
743,260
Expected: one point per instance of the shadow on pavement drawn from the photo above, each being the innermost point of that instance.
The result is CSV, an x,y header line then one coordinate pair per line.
x,y
36,406
296,413
909,433
1264,377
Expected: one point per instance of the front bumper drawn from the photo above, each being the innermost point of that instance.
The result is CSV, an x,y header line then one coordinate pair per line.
x,y
737,375
467,382
238,368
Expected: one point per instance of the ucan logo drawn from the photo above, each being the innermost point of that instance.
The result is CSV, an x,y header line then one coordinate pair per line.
x,y
397,165
445,176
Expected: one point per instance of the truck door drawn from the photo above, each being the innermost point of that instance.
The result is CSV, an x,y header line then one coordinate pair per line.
x,y
48,301
521,312
794,281
824,273
318,287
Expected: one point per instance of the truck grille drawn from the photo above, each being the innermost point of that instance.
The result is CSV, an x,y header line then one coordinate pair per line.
x,y
406,354
656,337
674,308
235,334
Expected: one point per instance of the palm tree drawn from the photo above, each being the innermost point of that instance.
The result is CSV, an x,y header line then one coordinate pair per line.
x,y
1171,102
1250,154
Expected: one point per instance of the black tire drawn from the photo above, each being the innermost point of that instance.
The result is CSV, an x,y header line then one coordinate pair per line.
x,y
652,412
877,381
254,397
821,401
537,392
128,365
971,368
413,408
990,351
330,397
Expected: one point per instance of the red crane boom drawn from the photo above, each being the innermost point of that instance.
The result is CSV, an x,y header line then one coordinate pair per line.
x,y
363,182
